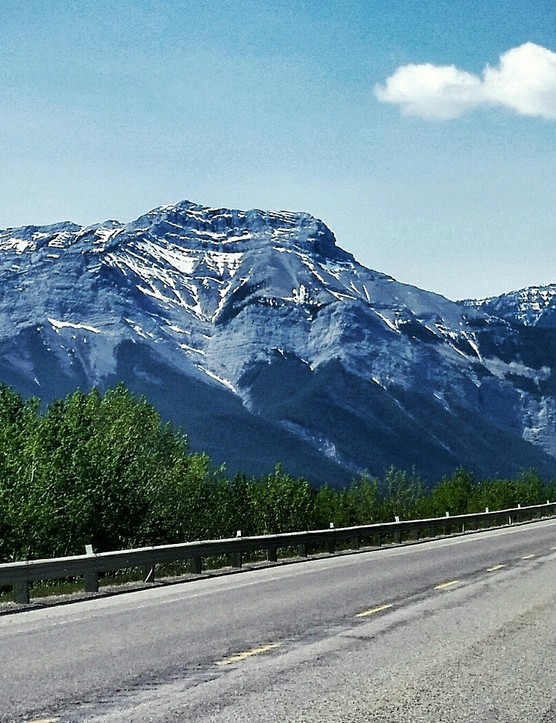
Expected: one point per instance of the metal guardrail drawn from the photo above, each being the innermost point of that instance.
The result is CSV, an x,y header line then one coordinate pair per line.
x,y
20,575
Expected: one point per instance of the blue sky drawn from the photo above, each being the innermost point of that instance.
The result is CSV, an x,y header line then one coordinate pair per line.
x,y
445,179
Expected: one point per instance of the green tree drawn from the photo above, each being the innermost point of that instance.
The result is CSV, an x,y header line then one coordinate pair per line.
x,y
282,503
364,499
402,494
452,494
19,515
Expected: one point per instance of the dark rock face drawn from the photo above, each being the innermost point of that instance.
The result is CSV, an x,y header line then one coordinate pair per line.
x,y
269,343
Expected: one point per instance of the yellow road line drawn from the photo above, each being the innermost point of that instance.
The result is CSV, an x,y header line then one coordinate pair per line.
x,y
444,585
527,557
372,611
248,654
495,567
44,720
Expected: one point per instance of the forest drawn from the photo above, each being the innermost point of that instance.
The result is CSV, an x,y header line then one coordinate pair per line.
x,y
103,469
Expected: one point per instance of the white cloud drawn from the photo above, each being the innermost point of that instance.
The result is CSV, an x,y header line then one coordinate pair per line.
x,y
524,81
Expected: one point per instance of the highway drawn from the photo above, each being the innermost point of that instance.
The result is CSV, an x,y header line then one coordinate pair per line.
x,y
456,629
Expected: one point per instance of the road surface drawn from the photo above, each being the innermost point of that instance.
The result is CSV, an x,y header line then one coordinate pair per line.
x,y
456,629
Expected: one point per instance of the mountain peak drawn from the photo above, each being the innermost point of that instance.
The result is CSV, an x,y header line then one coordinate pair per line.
x,y
531,306
234,229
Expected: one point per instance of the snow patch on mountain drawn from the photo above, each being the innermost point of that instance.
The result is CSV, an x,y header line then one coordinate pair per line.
x,y
69,325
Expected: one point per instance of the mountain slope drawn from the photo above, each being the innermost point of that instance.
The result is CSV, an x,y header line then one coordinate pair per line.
x,y
269,343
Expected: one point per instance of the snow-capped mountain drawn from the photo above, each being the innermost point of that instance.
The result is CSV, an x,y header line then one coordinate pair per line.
x,y
533,306
269,343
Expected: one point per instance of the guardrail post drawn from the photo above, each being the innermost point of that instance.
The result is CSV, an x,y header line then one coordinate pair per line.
x,y
302,549
377,540
330,545
272,554
196,565
21,593
90,580
355,543
236,558
397,535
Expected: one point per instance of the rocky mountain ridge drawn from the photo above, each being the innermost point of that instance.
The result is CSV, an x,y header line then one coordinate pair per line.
x,y
268,342
532,306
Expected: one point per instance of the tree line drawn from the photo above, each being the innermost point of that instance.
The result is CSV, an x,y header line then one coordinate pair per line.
x,y
103,469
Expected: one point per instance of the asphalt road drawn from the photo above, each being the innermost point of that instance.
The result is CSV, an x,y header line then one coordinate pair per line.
x,y
459,629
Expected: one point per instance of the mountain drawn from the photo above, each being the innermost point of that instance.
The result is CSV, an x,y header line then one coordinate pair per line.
x,y
269,343
534,306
